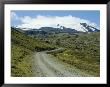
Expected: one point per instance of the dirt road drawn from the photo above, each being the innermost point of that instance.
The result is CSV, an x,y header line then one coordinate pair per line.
x,y
47,65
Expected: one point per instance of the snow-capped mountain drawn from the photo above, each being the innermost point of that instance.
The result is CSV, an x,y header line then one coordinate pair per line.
x,y
67,21
84,27
88,28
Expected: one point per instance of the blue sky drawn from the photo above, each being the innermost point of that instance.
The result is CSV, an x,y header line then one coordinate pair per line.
x,y
93,16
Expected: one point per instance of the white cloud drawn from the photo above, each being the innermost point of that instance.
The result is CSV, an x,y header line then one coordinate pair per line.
x,y
14,16
52,21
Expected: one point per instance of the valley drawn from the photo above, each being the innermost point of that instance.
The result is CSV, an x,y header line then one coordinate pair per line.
x,y
35,54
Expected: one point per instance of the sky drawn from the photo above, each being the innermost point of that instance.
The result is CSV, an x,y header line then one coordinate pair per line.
x,y
39,18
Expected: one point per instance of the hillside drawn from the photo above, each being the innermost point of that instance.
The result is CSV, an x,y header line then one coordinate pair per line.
x,y
81,50
23,48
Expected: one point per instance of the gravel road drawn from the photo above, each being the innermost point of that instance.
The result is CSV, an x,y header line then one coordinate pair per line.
x,y
47,65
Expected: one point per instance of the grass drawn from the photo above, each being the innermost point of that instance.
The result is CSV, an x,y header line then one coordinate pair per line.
x,y
22,51
86,64
81,51
21,62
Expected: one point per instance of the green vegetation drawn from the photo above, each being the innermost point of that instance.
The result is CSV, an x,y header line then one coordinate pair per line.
x,y
22,50
82,51
21,64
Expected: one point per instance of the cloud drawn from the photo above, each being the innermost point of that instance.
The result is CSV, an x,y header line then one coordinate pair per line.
x,y
14,16
51,21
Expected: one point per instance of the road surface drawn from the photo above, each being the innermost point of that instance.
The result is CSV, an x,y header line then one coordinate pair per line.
x,y
46,65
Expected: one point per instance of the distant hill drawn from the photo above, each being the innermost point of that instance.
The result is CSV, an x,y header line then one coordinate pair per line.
x,y
50,31
81,50
45,31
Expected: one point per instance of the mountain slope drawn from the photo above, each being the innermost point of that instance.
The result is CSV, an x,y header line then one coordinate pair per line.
x,y
81,50
89,28
22,51
45,31
76,28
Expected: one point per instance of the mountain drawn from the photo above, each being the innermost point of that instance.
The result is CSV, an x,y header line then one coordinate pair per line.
x,y
81,51
45,31
89,28
82,27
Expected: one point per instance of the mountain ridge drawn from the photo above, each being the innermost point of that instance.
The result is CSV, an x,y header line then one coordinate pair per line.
x,y
59,29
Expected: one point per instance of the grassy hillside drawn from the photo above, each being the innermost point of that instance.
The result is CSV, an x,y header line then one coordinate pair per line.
x,y
22,49
82,51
